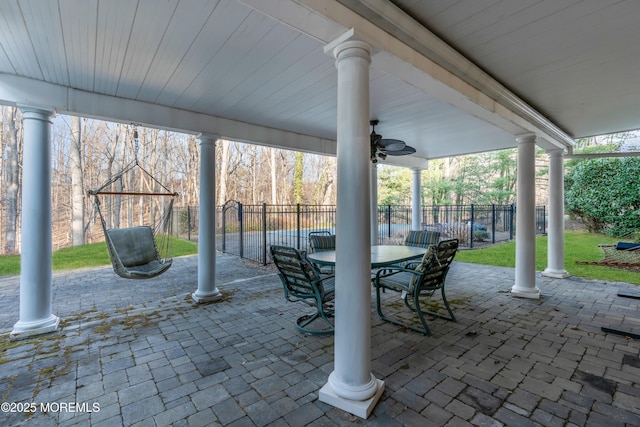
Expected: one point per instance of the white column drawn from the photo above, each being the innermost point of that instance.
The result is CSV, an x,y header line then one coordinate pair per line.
x,y
525,281
36,316
555,242
416,201
351,386
207,290
374,204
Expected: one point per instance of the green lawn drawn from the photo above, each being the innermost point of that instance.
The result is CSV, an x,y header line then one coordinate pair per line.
x,y
578,246
85,256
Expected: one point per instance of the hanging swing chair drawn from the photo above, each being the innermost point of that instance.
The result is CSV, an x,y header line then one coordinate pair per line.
x,y
623,255
142,249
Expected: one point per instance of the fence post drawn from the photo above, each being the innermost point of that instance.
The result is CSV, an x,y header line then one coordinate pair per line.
x,y
511,212
188,223
388,221
298,225
264,234
240,231
471,226
224,229
493,223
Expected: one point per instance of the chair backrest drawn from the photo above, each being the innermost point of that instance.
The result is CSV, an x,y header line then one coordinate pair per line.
x,y
435,265
422,239
296,272
322,242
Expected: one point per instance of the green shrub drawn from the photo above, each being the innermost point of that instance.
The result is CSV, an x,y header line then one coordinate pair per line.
x,y
605,195
481,236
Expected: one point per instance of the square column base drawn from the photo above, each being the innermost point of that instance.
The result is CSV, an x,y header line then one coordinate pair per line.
x,y
360,408
206,298
21,334
531,293
556,274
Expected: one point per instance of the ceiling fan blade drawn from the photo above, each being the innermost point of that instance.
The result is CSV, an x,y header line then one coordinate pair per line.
x,y
381,148
406,150
391,144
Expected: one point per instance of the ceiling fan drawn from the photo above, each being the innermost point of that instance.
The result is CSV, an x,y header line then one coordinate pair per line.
x,y
381,148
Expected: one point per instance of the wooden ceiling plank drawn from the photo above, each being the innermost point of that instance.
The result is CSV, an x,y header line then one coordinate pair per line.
x,y
5,63
540,29
175,45
227,17
255,61
149,28
115,21
16,42
47,38
291,80
302,91
79,29
238,46
272,76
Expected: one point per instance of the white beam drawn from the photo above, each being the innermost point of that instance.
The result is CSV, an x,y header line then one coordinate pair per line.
x,y
18,90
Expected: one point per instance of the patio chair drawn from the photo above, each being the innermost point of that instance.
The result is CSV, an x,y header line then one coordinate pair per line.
x,y
420,239
322,241
303,282
419,283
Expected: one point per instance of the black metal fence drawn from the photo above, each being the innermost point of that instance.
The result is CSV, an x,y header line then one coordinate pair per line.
x,y
249,230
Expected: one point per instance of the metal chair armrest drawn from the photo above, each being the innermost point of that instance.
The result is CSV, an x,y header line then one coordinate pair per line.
x,y
390,271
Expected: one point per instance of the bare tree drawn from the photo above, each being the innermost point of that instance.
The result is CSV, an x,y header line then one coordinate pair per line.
x,y
77,183
274,188
325,167
12,181
223,171
193,166
297,177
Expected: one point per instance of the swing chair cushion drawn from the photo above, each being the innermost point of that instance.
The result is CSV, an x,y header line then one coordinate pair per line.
x,y
136,249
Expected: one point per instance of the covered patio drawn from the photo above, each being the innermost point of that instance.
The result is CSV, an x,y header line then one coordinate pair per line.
x,y
449,78
146,355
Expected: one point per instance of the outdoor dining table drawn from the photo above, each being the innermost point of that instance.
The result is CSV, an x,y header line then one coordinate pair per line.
x,y
381,255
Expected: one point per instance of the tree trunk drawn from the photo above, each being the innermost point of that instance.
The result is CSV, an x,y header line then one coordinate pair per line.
x,y
297,178
274,187
12,177
193,181
77,183
447,178
224,166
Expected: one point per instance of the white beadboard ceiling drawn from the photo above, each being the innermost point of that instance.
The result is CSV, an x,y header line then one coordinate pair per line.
x,y
448,77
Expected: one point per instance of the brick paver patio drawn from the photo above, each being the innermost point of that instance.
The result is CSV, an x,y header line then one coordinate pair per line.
x,y
141,353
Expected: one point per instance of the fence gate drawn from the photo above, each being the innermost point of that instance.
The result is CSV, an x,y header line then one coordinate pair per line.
x,y
231,226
